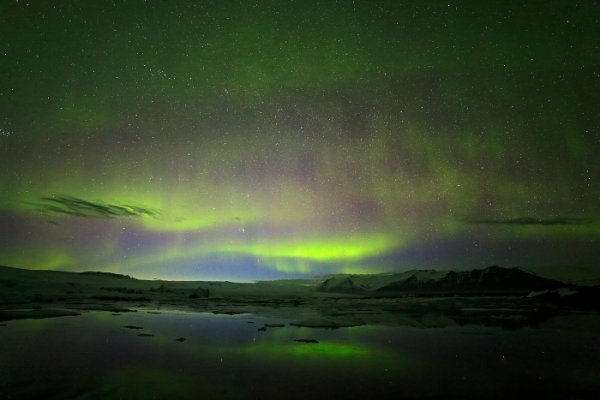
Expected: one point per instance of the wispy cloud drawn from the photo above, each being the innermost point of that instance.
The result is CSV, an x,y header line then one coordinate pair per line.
x,y
530,221
70,205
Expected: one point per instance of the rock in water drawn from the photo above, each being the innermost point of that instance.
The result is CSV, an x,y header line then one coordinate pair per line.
x,y
306,340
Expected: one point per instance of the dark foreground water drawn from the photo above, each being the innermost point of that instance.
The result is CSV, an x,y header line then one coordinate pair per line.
x,y
93,356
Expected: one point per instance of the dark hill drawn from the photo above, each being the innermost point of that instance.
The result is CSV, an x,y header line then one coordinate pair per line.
x,y
342,284
492,280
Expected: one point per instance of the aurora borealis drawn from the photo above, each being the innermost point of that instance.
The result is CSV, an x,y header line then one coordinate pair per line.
x,y
251,140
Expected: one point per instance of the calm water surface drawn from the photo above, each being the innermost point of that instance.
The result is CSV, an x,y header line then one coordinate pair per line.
x,y
93,356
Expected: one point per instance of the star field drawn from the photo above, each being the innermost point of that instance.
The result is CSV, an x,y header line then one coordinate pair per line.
x,y
252,140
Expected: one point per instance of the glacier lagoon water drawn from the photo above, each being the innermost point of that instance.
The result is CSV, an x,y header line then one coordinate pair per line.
x,y
189,355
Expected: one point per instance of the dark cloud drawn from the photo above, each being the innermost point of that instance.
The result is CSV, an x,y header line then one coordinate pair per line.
x,y
69,205
530,221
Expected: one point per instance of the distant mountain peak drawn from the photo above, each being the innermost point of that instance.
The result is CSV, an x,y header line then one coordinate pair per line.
x,y
492,279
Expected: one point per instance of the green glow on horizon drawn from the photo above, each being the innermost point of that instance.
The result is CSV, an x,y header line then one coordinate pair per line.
x,y
326,249
52,259
284,255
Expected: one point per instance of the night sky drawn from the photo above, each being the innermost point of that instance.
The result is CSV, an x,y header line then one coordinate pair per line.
x,y
247,140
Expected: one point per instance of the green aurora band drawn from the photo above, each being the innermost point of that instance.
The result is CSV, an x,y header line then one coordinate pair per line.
x,y
226,140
